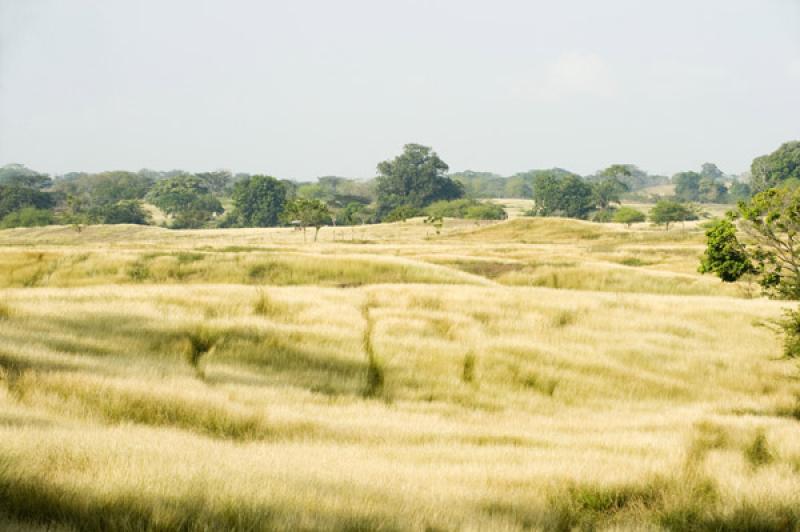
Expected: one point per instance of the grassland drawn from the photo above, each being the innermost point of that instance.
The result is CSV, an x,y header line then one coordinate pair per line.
x,y
528,374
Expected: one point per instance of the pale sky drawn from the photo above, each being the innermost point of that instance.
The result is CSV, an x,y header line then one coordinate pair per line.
x,y
303,88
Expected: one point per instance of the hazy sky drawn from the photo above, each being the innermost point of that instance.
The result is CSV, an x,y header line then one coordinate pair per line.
x,y
302,88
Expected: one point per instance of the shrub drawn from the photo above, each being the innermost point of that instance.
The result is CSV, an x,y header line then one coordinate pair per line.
x,y
466,208
27,217
468,373
401,213
791,330
758,452
138,272
199,343
628,216
604,215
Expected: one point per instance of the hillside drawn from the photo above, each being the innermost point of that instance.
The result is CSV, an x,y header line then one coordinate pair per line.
x,y
533,373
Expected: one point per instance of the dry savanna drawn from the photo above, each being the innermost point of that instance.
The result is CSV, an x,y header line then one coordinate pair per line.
x,y
531,373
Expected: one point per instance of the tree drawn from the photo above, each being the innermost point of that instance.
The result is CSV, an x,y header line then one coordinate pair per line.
x,y
415,178
711,171
217,181
259,201
776,168
27,217
567,195
628,216
687,185
772,221
123,212
187,198
353,214
308,213
739,191
725,255
666,212
608,191
16,197
22,176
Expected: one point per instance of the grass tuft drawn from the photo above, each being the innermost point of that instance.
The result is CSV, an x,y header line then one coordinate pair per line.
x,y
758,453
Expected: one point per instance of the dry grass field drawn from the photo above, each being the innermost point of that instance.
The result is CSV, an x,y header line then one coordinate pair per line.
x,y
541,374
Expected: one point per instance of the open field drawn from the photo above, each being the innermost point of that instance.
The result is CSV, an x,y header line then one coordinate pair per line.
x,y
529,374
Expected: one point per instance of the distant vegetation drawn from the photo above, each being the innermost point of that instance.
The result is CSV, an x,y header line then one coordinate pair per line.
x,y
414,183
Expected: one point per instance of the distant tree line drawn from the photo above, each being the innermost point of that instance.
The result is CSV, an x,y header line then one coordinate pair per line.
x,y
414,183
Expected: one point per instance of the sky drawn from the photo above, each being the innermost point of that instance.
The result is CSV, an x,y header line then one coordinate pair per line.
x,y
304,88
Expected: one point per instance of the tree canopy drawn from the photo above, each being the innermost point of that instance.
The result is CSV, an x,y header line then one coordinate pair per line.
x,y
777,168
667,212
187,198
568,195
417,178
259,201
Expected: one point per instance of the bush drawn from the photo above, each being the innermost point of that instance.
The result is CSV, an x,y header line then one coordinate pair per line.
x,y
628,216
604,215
791,330
466,208
27,217
401,213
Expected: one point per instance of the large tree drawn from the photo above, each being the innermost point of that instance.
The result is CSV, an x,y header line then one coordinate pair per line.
x,y
776,168
308,213
259,201
417,178
666,212
568,195
187,198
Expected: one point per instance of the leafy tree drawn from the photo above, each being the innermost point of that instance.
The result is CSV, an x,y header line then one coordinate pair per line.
x,y
481,184
687,185
415,178
123,212
633,177
772,221
27,217
22,176
712,191
353,214
217,181
401,213
628,216
308,213
466,208
16,197
711,171
105,188
259,201
568,196
608,191
739,191
725,255
666,212
187,198
776,168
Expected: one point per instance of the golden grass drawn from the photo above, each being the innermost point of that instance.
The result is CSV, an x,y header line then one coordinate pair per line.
x,y
468,392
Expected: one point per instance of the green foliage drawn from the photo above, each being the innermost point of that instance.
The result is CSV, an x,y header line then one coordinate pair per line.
x,y
791,333
628,216
259,201
604,215
725,255
401,213
567,195
483,184
772,220
353,214
308,213
124,212
17,175
631,176
739,191
466,208
415,178
608,191
773,170
17,197
666,212
187,198
27,217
